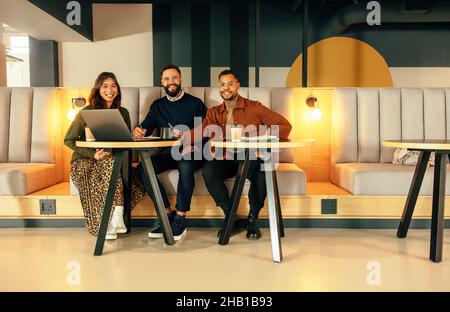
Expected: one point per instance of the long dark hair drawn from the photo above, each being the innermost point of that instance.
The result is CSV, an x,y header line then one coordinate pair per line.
x,y
96,100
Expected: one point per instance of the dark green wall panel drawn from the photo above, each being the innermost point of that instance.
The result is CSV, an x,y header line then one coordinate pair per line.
x,y
220,34
43,63
181,33
239,50
201,32
162,39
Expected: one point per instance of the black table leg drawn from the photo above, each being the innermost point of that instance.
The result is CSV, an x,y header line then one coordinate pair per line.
x,y
160,209
413,193
274,222
235,197
126,179
277,203
437,218
108,203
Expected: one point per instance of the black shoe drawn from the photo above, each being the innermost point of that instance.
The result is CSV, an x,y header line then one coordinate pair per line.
x,y
178,227
253,231
157,232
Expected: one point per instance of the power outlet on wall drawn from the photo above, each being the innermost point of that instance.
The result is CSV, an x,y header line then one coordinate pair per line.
x,y
47,206
329,206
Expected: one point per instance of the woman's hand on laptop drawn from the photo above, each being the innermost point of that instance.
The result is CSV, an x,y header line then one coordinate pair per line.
x,y
139,132
100,154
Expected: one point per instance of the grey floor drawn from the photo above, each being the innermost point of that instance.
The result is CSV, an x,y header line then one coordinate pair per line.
x,y
314,260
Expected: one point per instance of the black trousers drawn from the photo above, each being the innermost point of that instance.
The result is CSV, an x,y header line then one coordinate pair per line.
x,y
216,171
186,182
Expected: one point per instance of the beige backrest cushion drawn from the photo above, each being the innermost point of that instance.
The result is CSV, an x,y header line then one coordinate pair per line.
x,y
261,95
434,114
130,100
5,103
390,120
363,117
197,92
20,125
344,126
282,103
368,125
412,114
45,125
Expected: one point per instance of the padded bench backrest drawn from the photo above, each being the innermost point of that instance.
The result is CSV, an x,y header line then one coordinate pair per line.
x,y
30,129
362,118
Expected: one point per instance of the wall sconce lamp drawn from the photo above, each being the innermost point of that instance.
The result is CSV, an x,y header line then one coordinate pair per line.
x,y
77,104
315,113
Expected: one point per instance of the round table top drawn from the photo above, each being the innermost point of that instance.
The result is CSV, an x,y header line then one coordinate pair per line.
x,y
274,144
419,144
128,145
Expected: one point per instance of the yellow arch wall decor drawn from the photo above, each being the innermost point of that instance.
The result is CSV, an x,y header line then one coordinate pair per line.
x,y
341,62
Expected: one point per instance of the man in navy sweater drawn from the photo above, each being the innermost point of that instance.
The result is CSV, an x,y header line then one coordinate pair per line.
x,y
177,109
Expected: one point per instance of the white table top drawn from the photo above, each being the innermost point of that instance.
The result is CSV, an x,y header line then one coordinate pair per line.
x,y
419,144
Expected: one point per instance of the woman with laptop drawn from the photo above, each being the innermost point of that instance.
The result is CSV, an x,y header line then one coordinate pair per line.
x,y
91,168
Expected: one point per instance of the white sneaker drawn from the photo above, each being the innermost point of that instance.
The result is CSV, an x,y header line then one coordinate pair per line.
x,y
117,220
110,232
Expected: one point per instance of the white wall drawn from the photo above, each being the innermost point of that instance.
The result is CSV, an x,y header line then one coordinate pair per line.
x,y
18,73
130,58
420,77
2,65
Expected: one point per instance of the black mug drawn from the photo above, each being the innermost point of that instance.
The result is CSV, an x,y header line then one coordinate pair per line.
x,y
166,133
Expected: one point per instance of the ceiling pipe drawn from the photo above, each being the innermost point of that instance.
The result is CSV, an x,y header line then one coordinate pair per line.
x,y
391,12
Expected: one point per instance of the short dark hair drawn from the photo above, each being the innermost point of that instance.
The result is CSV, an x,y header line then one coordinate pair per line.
x,y
228,72
170,66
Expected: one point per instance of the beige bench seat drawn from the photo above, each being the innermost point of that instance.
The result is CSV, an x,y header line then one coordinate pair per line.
x,y
382,179
291,181
18,179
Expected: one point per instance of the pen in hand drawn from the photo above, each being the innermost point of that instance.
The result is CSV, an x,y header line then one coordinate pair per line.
x,y
140,130
175,132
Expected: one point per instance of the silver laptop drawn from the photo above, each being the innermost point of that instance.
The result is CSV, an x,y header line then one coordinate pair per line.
x,y
107,125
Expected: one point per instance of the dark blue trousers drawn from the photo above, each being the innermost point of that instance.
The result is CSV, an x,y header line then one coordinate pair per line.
x,y
162,162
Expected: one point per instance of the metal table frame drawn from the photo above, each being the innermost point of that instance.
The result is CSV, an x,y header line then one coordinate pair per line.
x,y
122,162
437,218
274,207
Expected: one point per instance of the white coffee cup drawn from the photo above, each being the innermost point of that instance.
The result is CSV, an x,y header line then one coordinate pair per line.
x,y
236,133
89,135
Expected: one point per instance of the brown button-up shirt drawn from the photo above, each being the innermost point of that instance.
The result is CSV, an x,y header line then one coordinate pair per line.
x,y
246,113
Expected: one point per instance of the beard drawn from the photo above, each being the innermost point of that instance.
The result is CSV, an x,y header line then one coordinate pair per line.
x,y
230,97
174,92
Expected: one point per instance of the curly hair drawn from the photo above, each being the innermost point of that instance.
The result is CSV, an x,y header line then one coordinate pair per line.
x,y
96,100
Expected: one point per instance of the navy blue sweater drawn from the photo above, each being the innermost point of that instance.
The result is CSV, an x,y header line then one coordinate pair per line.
x,y
181,112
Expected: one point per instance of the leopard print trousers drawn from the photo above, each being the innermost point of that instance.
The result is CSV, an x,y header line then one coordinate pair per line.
x,y
91,178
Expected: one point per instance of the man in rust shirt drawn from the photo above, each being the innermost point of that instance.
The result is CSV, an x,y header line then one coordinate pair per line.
x,y
236,110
